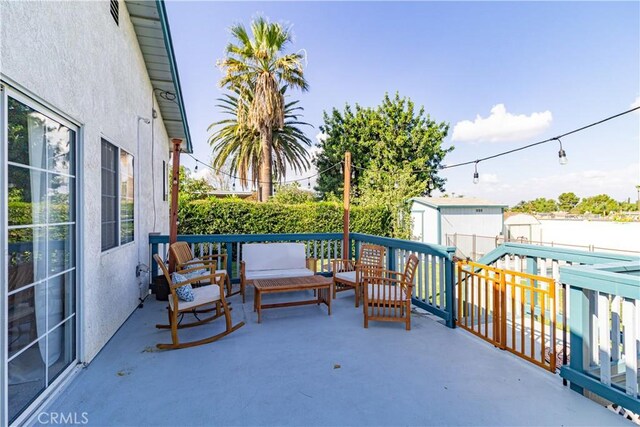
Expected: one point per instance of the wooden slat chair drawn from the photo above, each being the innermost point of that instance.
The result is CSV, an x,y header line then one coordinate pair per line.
x,y
205,296
349,274
185,259
387,295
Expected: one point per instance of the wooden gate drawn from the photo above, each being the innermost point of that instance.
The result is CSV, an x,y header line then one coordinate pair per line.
x,y
512,310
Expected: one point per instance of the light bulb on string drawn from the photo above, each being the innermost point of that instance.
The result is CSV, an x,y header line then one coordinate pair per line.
x,y
476,176
196,168
562,155
309,184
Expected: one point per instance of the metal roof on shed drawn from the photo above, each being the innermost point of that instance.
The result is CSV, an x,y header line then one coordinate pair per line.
x,y
456,202
150,23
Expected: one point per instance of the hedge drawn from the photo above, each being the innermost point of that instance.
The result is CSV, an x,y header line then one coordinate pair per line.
x,y
234,216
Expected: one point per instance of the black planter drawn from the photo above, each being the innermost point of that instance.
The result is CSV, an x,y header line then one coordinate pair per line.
x,y
161,288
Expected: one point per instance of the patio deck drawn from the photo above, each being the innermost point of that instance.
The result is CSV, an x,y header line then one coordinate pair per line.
x,y
283,372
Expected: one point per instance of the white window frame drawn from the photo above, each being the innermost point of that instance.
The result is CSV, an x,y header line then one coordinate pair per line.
x,y
9,88
119,221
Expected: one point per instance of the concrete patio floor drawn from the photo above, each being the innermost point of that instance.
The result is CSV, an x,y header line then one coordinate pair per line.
x,y
302,367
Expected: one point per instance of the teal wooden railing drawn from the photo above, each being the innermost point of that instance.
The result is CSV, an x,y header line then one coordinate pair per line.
x,y
322,246
433,291
434,283
546,261
605,331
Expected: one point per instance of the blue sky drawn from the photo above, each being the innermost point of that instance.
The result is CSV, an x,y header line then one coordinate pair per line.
x,y
553,66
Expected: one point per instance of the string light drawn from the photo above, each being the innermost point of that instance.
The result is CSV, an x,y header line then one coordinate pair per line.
x,y
562,156
196,168
309,184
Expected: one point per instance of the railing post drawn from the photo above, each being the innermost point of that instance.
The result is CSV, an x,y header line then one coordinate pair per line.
x,y
503,311
579,333
450,298
391,260
229,266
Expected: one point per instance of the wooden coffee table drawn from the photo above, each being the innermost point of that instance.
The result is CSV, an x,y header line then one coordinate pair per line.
x,y
321,284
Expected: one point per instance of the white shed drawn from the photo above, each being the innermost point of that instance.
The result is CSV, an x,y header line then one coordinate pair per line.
x,y
438,219
523,227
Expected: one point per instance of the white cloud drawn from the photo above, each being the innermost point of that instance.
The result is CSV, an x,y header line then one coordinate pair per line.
x,y
635,103
502,126
321,137
489,178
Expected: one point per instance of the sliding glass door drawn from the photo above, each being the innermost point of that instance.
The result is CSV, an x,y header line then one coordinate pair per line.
x,y
39,283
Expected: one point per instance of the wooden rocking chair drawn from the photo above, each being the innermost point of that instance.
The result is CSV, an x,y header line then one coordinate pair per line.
x,y
387,295
349,274
185,259
208,295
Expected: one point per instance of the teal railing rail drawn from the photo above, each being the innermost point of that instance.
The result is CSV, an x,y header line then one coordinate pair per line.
x,y
434,290
605,331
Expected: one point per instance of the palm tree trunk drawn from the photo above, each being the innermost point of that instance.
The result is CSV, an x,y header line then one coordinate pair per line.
x,y
266,137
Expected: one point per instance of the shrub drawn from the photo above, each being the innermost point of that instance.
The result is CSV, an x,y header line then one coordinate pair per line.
x,y
234,216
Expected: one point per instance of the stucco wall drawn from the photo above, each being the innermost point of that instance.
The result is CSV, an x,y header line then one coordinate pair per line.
x,y
75,57
601,234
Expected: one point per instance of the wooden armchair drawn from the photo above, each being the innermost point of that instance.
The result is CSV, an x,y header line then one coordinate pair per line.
x,y
209,295
216,263
349,274
387,295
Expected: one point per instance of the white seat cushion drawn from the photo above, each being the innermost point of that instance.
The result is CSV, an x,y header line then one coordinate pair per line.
x,y
202,295
347,276
386,293
278,274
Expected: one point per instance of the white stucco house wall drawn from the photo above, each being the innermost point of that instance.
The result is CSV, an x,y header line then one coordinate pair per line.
x,y
90,98
452,221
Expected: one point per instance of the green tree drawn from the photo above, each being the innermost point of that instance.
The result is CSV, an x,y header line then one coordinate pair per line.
x,y
237,147
292,194
539,205
193,188
567,201
394,136
599,205
392,192
256,64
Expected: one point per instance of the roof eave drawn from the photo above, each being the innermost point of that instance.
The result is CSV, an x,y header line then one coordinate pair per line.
x,y
174,72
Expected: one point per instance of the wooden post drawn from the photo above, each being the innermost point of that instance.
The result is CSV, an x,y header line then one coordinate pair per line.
x,y
175,188
347,202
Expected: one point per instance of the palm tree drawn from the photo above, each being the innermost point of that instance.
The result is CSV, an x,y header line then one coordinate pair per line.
x,y
257,65
239,147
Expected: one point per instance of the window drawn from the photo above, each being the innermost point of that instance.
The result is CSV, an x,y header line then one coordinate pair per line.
x,y
117,196
478,210
126,197
165,180
114,8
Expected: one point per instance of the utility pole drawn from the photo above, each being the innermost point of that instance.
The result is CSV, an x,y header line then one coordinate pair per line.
x,y
175,188
346,198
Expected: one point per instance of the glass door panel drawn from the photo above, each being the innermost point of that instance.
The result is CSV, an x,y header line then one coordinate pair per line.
x,y
41,264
